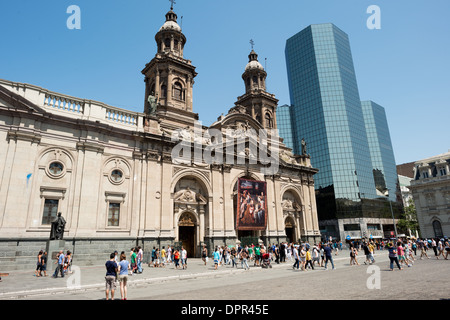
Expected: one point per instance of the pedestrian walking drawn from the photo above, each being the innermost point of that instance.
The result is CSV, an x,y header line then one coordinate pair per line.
x,y
110,278
277,254
60,265
184,258
393,257
153,257
44,263
37,272
243,257
204,254
216,258
315,255
68,262
423,249
163,256
328,256
308,260
414,247
169,254
133,261
296,258
447,249
123,267
322,256
401,254
139,257
353,254
366,253
176,258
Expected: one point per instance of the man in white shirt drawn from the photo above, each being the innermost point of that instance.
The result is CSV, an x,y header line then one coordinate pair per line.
x,y
183,257
296,257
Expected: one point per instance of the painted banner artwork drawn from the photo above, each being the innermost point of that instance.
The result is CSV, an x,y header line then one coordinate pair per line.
x,y
251,205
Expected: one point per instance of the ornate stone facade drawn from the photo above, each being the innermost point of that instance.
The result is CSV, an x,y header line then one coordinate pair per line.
x,y
113,174
431,193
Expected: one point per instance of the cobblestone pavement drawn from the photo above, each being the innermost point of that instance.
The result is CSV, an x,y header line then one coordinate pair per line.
x,y
427,279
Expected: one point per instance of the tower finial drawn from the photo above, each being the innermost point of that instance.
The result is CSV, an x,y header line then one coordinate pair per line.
x,y
172,3
252,43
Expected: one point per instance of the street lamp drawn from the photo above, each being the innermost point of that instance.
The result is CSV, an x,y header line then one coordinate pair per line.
x,y
392,213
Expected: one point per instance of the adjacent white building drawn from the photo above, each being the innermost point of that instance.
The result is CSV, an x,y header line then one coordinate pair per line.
x,y
431,192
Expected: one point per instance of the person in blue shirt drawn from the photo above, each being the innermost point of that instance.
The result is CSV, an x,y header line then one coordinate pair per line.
x,y
111,272
328,256
60,266
216,258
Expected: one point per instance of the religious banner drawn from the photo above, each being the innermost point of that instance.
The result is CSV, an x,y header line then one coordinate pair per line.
x,y
251,213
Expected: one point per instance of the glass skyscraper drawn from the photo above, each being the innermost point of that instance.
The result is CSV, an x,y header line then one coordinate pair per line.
x,y
284,125
326,111
381,151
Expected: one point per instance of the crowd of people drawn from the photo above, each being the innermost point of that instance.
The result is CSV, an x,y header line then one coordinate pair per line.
x,y
63,264
402,253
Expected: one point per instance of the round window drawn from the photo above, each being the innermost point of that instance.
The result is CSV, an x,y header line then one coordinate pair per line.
x,y
116,175
56,168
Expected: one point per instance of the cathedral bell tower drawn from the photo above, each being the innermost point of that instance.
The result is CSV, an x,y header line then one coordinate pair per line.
x,y
259,104
169,77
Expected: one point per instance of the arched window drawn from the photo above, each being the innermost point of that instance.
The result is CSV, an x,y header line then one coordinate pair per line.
x,y
178,91
268,119
167,43
437,229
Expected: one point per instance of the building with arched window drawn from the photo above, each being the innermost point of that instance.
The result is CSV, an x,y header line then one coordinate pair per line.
x,y
156,178
431,193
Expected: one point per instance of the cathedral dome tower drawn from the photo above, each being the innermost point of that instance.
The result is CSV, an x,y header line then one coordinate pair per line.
x,y
258,103
169,77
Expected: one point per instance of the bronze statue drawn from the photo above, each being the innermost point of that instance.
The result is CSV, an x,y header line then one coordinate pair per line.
x,y
153,103
303,147
57,230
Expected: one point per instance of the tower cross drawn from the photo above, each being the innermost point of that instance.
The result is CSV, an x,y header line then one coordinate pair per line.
x,y
172,3
252,43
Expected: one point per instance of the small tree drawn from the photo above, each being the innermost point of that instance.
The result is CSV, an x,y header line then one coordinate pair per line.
x,y
408,220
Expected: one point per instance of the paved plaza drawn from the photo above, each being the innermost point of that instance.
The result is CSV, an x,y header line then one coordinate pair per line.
x,y
425,280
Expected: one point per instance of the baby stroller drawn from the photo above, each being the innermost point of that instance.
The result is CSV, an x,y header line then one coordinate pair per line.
x,y
266,261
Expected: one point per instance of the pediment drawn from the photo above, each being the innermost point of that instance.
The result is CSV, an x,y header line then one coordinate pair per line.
x,y
12,100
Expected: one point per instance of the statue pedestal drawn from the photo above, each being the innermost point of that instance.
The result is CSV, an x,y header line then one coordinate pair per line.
x,y
152,125
53,247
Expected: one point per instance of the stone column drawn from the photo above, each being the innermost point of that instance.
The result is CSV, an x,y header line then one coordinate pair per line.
x,y
201,231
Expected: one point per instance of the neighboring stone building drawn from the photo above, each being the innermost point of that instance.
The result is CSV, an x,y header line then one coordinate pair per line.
x,y
431,192
123,178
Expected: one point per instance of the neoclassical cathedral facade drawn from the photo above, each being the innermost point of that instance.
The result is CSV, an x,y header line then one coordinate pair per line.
x,y
155,178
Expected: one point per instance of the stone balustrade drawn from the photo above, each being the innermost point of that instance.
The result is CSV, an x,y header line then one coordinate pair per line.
x,y
77,108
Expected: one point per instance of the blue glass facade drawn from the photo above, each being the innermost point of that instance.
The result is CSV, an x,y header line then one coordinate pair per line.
x,y
381,151
326,111
284,125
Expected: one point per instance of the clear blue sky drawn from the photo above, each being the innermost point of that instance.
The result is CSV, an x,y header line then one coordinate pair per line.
x,y
404,67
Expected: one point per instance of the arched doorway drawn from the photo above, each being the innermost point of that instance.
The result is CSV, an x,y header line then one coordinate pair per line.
x,y
290,229
292,211
187,233
190,209
437,228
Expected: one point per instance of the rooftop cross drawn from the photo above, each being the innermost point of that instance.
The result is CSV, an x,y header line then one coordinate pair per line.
x,y
172,3
252,43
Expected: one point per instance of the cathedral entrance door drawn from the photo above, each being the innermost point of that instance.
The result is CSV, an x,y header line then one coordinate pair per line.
x,y
187,233
290,234
186,236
